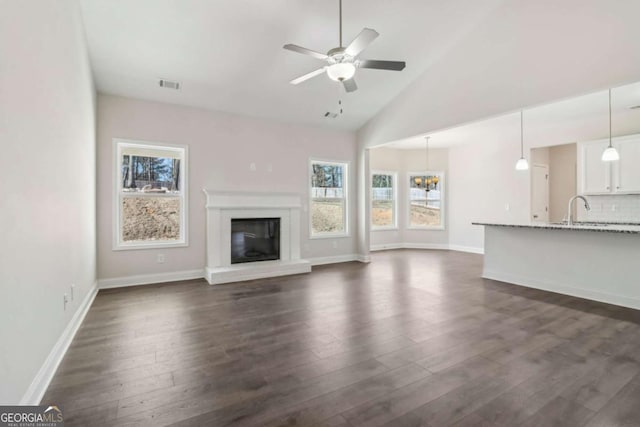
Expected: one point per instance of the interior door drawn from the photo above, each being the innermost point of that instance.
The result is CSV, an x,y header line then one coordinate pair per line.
x,y
540,193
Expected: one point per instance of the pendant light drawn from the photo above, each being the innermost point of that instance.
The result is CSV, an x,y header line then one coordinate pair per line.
x,y
610,154
522,164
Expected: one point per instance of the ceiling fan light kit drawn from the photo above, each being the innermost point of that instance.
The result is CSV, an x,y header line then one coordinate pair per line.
x,y
342,62
341,71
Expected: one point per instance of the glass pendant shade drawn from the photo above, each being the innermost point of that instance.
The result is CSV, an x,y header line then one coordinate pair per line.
x,y
610,154
522,164
341,71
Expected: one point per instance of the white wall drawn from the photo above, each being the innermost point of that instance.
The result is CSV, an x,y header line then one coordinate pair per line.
x,y
47,220
404,162
221,148
562,179
524,53
484,186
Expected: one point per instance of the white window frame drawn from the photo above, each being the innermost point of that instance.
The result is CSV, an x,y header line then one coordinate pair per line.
x,y
118,195
441,183
394,177
345,183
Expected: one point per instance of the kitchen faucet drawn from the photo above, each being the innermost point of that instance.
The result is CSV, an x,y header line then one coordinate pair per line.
x,y
586,206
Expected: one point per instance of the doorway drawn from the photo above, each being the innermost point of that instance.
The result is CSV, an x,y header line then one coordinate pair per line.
x,y
540,193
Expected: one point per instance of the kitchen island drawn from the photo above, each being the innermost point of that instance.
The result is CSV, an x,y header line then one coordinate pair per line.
x,y
600,262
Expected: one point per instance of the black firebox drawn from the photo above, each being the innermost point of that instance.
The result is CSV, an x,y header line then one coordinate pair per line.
x,y
255,239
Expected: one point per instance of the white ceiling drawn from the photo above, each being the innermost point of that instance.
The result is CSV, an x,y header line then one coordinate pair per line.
x,y
228,54
577,119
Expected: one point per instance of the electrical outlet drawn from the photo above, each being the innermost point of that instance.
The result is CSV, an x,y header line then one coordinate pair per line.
x,y
269,167
65,298
252,167
613,208
507,207
160,258
334,244
73,292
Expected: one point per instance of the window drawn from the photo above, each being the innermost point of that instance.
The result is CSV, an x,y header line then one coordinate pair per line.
x,y
328,198
383,200
426,200
150,195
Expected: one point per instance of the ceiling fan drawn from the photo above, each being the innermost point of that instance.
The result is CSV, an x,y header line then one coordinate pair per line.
x,y
343,61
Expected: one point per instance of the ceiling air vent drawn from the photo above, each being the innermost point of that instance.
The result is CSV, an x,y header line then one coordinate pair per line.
x,y
169,84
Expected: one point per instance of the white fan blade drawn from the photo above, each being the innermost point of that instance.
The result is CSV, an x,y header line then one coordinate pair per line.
x,y
363,40
305,51
307,76
350,85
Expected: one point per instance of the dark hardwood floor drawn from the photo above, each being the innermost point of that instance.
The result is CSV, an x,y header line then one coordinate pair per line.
x,y
416,338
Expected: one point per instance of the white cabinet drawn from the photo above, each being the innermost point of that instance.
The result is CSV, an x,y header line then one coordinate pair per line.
x,y
627,171
598,177
595,175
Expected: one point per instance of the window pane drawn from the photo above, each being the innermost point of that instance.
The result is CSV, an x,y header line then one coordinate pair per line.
x,y
150,218
150,174
424,206
329,177
382,200
382,213
327,215
424,215
382,181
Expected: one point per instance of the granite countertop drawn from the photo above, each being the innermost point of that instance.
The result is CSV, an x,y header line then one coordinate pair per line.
x,y
628,228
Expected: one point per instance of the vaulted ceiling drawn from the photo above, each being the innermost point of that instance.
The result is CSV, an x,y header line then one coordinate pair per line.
x,y
228,54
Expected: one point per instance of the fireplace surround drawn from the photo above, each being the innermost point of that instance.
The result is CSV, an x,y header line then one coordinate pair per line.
x,y
222,207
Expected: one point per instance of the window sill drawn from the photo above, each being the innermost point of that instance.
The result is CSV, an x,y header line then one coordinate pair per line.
x,y
427,228
154,245
385,228
329,236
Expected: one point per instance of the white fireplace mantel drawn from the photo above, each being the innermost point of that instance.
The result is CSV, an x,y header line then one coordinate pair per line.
x,y
223,206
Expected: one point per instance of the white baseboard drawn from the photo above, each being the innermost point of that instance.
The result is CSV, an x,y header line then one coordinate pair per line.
x,y
388,246
146,279
434,246
43,378
470,249
562,289
334,259
364,258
